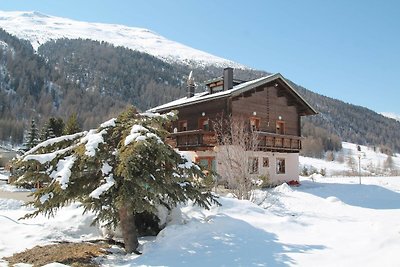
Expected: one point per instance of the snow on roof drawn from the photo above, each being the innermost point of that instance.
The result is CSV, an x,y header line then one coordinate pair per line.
x,y
236,90
204,96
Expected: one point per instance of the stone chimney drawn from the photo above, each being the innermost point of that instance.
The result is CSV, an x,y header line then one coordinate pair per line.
x,y
190,85
228,78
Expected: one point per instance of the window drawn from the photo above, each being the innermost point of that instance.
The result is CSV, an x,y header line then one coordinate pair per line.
x,y
255,124
204,124
280,166
280,127
208,163
182,126
265,162
253,165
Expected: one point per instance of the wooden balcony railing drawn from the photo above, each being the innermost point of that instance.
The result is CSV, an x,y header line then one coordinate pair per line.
x,y
200,139
276,142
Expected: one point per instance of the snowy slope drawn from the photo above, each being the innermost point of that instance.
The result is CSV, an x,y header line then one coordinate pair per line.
x,y
371,162
391,115
326,221
39,28
329,222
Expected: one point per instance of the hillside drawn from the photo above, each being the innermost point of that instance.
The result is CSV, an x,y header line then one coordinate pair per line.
x,y
40,28
97,80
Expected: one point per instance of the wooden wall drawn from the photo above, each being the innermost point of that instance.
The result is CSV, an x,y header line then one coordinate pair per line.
x,y
194,112
269,102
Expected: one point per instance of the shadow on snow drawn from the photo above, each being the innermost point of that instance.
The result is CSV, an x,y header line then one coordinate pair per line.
x,y
221,241
365,196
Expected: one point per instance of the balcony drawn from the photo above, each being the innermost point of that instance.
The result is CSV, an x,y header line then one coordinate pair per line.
x,y
195,139
278,142
206,140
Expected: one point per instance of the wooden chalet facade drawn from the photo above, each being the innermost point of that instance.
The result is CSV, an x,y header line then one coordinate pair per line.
x,y
273,109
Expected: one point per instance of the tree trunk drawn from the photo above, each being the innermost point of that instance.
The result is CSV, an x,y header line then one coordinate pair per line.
x,y
129,232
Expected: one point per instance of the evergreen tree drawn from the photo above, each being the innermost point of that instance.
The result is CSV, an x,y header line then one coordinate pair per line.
x,y
32,137
120,170
72,125
46,133
56,125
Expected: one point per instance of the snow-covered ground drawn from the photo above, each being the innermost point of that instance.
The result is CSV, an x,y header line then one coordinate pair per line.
x,y
39,28
372,161
327,221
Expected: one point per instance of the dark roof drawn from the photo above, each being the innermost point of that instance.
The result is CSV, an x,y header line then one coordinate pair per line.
x,y
235,91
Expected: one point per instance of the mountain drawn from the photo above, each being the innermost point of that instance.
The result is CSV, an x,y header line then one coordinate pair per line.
x,y
97,80
39,28
391,115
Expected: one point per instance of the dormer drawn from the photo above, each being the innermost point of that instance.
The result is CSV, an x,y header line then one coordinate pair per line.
x,y
223,83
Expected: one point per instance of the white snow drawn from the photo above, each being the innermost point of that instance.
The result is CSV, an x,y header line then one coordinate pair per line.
x,y
139,133
109,123
45,197
391,115
326,221
370,159
63,171
43,158
40,28
106,168
92,141
18,235
55,140
109,182
187,156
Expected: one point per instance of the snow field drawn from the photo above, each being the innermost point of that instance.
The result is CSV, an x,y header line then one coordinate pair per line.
x,y
325,222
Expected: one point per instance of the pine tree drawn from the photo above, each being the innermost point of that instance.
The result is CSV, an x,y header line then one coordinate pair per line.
x,y
119,171
32,137
46,132
57,126
72,125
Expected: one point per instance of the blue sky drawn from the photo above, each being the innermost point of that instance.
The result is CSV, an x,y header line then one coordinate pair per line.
x,y
349,50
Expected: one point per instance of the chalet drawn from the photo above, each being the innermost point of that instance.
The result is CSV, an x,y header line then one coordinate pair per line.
x,y
272,107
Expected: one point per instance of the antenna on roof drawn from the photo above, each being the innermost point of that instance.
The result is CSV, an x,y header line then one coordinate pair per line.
x,y
190,85
190,80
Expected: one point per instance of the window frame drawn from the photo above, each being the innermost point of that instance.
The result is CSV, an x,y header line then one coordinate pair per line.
x,y
265,160
210,160
282,124
180,128
201,124
255,121
252,165
280,168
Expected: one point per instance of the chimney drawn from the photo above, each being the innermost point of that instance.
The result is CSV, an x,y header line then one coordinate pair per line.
x,y
190,85
228,78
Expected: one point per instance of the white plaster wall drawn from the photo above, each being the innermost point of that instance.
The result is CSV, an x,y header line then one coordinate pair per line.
x,y
291,164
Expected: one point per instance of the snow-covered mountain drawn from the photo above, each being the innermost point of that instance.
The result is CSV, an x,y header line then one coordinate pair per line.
x,y
391,115
39,28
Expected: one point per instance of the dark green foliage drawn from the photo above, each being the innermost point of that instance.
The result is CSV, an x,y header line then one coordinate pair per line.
x,y
352,123
56,125
144,172
47,132
32,137
72,125
96,81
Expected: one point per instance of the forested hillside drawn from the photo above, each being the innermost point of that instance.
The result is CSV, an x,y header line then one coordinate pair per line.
x,y
97,80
